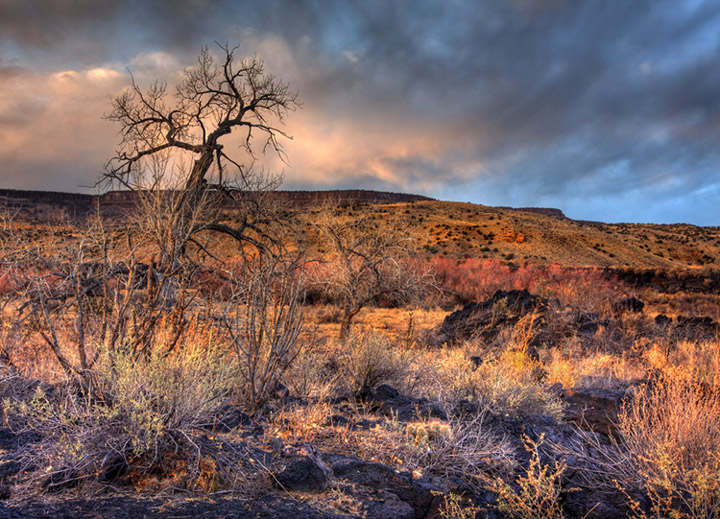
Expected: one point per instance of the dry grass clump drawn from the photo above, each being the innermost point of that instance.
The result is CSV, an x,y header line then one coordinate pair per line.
x,y
461,448
573,367
454,508
509,384
141,409
536,492
302,423
672,435
368,360
697,361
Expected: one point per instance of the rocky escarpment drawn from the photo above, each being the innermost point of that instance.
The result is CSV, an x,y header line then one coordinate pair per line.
x,y
48,205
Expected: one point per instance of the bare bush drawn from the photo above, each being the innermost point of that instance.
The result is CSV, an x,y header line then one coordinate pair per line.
x,y
263,326
672,434
372,361
367,263
534,493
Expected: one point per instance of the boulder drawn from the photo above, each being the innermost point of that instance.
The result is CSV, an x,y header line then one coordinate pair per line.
x,y
483,319
587,323
629,304
226,419
663,320
389,402
303,469
594,408
381,477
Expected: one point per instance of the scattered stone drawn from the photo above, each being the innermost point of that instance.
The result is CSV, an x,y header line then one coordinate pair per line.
x,y
587,323
465,408
594,408
382,477
384,392
276,445
663,320
700,322
389,402
11,441
303,469
9,469
61,480
337,420
227,418
629,304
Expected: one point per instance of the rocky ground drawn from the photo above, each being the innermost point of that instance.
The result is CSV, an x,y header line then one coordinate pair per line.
x,y
310,483
312,480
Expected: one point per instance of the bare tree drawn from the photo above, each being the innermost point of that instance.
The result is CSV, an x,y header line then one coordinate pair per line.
x,y
123,285
214,99
367,262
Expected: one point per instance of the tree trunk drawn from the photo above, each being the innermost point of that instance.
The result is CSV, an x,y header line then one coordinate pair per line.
x,y
346,321
345,327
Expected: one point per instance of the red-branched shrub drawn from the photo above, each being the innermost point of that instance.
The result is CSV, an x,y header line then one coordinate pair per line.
x,y
476,279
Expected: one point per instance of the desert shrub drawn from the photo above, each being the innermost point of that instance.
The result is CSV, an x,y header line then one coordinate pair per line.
x,y
511,385
666,459
141,409
477,279
471,280
453,508
534,493
697,361
672,435
369,360
263,327
508,384
461,448
313,374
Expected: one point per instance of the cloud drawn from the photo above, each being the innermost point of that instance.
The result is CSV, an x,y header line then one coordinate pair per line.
x,y
522,102
52,135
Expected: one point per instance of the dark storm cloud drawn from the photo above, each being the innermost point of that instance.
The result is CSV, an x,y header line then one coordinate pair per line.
x,y
517,102
48,23
614,97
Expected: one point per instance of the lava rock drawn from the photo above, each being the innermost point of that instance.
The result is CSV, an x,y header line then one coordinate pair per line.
x,y
629,304
382,477
483,318
227,418
594,408
303,469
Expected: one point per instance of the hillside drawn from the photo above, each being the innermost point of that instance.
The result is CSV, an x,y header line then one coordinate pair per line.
x,y
461,230
448,229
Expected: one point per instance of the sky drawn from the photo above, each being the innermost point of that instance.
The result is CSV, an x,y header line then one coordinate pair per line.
x,y
606,109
